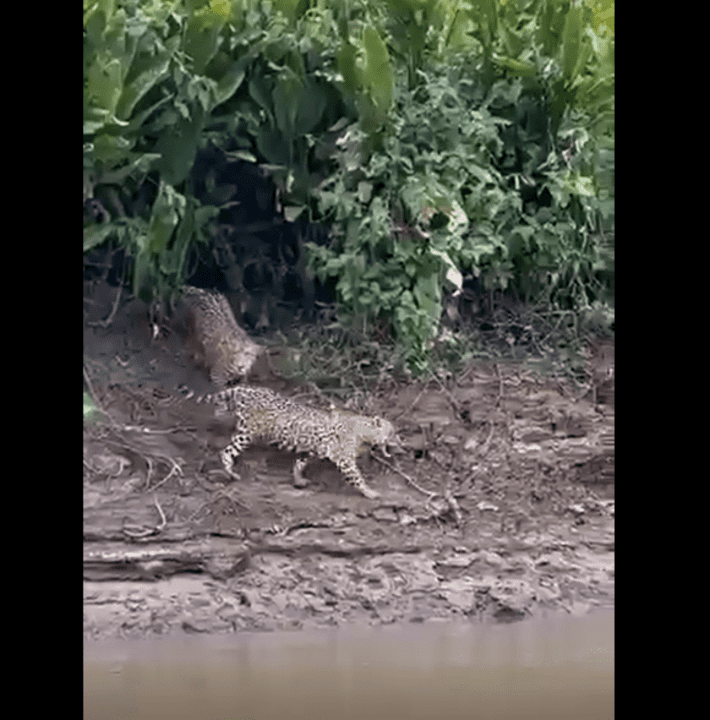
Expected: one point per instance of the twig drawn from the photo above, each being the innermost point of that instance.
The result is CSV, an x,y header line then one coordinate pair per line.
x,y
227,494
163,520
484,445
176,468
148,457
105,323
411,406
454,506
406,477
448,394
315,390
152,431
153,531
463,377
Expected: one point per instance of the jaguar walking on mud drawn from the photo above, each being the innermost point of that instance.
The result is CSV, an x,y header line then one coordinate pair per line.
x,y
336,435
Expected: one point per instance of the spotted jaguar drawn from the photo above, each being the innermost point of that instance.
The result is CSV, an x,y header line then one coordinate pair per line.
x,y
336,435
219,343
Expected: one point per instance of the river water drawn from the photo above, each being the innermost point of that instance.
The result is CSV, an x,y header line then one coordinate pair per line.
x,y
555,668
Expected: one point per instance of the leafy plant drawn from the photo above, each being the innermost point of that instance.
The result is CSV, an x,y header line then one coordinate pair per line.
x,y
502,169
441,139
146,101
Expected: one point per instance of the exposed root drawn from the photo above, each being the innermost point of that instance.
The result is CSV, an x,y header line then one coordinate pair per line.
x,y
429,493
134,532
107,322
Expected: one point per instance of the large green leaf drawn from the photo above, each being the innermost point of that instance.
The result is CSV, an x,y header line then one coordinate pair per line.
x,y
169,206
105,83
347,65
378,73
292,9
202,38
312,102
484,14
285,98
260,91
173,260
518,67
94,235
94,119
571,42
137,120
111,149
427,292
551,25
149,71
178,147
230,81
273,146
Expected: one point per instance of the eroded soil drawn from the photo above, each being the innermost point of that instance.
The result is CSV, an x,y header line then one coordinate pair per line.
x,y
506,510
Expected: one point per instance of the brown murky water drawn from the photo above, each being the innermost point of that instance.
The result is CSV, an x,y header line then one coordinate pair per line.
x,y
554,668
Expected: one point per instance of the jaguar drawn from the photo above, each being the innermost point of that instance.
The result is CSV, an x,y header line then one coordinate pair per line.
x,y
264,416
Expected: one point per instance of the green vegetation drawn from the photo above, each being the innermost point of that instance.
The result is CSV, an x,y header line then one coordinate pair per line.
x,y
89,406
440,139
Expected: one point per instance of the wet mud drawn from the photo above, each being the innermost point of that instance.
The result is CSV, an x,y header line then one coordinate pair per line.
x,y
499,505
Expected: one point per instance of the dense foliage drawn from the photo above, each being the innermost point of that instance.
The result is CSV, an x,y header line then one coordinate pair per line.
x,y
440,139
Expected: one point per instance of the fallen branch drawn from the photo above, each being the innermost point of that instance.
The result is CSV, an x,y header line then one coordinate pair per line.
x,y
152,531
450,500
107,322
429,493
411,405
